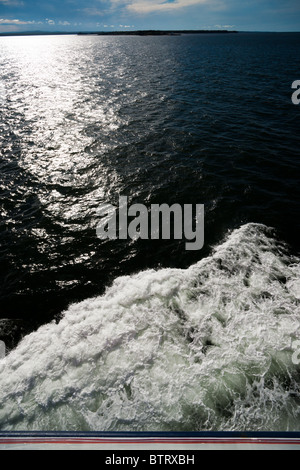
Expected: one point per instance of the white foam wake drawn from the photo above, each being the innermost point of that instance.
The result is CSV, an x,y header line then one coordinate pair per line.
x,y
208,348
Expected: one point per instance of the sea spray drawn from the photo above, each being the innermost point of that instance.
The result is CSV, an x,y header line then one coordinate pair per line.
x,y
207,348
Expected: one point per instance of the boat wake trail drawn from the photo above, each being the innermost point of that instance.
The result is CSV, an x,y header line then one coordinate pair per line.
x,y
207,348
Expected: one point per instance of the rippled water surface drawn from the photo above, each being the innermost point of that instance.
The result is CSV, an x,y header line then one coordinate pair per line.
x,y
190,120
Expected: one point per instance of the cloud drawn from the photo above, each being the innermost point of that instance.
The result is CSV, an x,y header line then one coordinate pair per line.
x,y
11,3
93,11
15,22
225,26
149,6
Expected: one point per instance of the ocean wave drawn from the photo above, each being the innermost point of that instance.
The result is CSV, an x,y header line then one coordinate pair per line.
x,y
207,348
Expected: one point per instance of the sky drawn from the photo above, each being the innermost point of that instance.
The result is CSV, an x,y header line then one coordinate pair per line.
x,y
122,15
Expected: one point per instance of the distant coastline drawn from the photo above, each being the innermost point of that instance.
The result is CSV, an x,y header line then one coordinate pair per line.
x,y
159,32
120,33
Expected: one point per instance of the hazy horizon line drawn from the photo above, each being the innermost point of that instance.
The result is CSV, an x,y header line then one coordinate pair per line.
x,y
124,33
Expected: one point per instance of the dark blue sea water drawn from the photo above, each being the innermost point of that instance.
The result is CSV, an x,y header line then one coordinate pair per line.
x,y
189,120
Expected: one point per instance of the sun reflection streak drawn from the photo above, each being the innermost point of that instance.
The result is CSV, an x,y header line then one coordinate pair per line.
x,y
69,108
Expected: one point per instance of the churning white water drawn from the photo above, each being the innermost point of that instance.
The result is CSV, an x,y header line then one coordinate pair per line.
x,y
208,348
